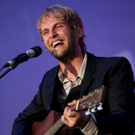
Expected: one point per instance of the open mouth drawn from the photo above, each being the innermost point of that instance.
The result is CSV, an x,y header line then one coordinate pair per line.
x,y
57,43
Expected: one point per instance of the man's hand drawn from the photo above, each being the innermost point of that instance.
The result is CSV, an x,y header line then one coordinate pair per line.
x,y
76,119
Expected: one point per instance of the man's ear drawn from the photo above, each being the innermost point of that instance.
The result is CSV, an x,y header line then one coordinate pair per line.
x,y
79,32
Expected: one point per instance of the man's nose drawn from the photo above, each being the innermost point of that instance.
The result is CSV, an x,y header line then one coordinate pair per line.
x,y
53,33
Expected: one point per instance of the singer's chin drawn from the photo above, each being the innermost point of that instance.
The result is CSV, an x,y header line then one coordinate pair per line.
x,y
54,53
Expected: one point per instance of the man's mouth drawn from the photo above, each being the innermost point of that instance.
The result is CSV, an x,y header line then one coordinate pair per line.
x,y
56,43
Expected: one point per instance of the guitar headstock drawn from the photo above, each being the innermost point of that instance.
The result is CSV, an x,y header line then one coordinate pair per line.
x,y
93,100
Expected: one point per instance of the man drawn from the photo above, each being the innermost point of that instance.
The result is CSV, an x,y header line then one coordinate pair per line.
x,y
77,74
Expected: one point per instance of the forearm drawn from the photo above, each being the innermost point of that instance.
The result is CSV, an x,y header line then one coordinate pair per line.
x,y
91,127
21,127
35,111
121,123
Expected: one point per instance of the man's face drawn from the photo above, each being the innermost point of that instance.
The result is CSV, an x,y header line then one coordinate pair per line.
x,y
59,38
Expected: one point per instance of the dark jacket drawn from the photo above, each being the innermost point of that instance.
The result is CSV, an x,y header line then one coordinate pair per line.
x,y
117,116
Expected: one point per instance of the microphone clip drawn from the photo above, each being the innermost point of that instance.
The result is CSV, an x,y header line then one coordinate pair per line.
x,y
10,68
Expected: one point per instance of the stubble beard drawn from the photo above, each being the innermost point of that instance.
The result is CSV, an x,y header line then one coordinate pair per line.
x,y
69,53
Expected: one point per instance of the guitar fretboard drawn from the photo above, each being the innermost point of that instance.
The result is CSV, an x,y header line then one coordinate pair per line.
x,y
55,127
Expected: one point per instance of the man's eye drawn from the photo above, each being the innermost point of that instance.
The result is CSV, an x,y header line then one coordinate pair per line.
x,y
44,33
59,26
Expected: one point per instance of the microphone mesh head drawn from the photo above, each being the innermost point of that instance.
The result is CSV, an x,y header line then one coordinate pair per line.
x,y
30,53
37,51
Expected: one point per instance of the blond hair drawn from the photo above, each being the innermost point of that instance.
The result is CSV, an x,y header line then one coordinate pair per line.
x,y
68,15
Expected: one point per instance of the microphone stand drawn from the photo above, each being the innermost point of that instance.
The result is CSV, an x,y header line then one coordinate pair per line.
x,y
10,68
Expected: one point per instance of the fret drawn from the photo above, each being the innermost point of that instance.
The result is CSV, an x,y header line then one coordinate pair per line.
x,y
55,127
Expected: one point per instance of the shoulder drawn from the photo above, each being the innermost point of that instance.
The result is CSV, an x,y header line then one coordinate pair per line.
x,y
109,60
119,62
110,64
50,74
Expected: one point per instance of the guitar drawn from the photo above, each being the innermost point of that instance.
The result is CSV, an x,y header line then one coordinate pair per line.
x,y
53,123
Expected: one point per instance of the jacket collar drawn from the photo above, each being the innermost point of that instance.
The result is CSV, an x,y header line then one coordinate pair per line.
x,y
88,76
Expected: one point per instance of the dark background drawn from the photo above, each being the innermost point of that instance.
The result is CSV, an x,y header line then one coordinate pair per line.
x,y
109,26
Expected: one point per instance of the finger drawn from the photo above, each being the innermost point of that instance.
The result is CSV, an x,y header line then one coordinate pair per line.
x,y
72,103
68,121
63,118
68,111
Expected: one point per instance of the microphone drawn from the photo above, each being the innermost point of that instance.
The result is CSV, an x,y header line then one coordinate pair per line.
x,y
33,52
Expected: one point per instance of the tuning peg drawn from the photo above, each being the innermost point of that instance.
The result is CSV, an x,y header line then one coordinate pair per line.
x,y
93,109
97,90
87,112
100,107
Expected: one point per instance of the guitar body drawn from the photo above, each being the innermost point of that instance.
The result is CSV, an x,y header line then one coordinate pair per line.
x,y
40,128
